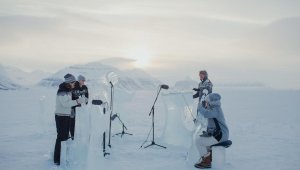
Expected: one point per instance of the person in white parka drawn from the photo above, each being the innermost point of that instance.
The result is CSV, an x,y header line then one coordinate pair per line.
x,y
63,106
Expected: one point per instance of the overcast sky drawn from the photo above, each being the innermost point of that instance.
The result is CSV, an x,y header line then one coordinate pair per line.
x,y
236,41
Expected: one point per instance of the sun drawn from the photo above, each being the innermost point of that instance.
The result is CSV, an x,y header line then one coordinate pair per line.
x,y
141,63
141,57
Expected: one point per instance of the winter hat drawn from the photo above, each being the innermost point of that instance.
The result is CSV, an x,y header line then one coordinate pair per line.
x,y
69,78
204,72
81,77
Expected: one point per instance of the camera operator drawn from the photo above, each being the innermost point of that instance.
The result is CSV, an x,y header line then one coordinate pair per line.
x,y
205,85
217,130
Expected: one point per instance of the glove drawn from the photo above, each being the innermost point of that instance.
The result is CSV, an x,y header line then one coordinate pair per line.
x,y
195,89
195,96
81,100
206,134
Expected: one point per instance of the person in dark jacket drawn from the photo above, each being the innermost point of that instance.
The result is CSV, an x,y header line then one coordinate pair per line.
x,y
63,106
204,88
80,90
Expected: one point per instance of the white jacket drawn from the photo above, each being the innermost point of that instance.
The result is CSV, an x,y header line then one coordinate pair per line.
x,y
64,103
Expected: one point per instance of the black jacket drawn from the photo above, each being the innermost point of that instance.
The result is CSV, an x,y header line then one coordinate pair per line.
x,y
79,92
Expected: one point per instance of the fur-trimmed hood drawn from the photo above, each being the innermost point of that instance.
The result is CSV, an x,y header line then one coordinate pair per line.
x,y
214,99
215,112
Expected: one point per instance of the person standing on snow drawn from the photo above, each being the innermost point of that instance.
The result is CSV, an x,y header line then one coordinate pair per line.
x,y
217,130
204,85
80,90
63,106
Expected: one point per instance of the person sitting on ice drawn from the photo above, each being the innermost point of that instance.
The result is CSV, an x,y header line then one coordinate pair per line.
x,y
80,90
205,86
217,130
63,106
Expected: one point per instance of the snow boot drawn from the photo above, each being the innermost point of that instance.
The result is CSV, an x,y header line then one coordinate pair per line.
x,y
206,162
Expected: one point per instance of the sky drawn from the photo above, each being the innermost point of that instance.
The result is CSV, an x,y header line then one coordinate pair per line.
x,y
236,41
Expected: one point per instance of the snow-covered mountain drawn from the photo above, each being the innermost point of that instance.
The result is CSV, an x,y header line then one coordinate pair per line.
x,y
24,78
186,84
5,82
119,62
98,74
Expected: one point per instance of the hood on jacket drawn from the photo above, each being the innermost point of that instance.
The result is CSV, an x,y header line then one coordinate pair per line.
x,y
214,99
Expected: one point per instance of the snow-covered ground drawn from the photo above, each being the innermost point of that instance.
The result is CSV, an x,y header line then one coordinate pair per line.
x,y
264,127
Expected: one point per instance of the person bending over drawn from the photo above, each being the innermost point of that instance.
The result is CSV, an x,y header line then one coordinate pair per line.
x,y
217,130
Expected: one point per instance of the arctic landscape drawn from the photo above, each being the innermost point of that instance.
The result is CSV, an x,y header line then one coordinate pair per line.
x,y
130,53
263,122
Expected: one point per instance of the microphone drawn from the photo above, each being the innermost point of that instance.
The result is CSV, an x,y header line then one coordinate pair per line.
x,y
164,86
97,102
104,108
111,84
114,116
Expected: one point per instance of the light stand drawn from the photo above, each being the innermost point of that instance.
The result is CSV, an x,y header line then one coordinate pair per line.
x,y
152,112
123,128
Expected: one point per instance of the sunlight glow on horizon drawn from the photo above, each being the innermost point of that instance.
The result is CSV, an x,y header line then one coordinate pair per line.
x,y
142,57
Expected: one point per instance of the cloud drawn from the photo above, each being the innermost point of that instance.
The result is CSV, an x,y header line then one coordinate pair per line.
x,y
74,34
278,41
236,35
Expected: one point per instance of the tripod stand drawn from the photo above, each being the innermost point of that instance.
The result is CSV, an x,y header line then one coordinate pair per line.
x,y
123,128
152,112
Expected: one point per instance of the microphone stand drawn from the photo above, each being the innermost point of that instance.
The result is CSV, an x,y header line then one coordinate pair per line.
x,y
103,143
99,102
111,111
123,129
152,112
104,134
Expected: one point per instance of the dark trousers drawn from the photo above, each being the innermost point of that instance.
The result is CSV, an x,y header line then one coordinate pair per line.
x,y
72,127
62,128
72,123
